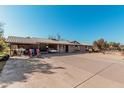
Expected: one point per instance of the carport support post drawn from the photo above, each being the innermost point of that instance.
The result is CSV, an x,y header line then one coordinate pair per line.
x,y
38,51
58,48
38,46
10,50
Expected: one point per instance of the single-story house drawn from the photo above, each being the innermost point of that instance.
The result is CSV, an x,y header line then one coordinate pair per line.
x,y
43,44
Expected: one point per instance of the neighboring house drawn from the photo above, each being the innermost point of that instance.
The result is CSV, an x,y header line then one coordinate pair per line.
x,y
87,46
44,44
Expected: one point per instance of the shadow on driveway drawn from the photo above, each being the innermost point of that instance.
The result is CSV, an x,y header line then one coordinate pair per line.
x,y
17,70
50,55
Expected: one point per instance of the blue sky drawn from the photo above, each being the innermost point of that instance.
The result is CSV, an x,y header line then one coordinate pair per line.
x,y
82,23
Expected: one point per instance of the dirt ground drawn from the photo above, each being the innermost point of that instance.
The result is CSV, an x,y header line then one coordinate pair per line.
x,y
64,71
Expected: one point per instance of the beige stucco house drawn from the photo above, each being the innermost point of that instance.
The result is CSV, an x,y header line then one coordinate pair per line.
x,y
44,44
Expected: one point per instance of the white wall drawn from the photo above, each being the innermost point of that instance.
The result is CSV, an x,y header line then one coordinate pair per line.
x,y
71,48
61,48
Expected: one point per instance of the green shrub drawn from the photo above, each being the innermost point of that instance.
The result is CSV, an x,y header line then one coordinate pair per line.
x,y
4,48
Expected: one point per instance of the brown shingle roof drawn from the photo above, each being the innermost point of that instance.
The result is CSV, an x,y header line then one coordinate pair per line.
x,y
26,40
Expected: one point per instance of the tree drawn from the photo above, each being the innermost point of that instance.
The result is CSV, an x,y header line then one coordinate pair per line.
x,y
114,45
1,30
3,45
57,37
95,44
52,37
100,44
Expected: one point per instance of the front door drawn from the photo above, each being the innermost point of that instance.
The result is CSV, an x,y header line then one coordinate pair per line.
x,y
66,48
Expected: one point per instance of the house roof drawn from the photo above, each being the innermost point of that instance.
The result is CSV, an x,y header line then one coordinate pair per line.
x,y
75,42
28,40
86,44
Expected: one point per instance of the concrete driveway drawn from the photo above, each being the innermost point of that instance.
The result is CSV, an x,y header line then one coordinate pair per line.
x,y
73,71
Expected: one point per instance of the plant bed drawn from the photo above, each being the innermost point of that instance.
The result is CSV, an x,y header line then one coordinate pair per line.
x,y
2,64
3,59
